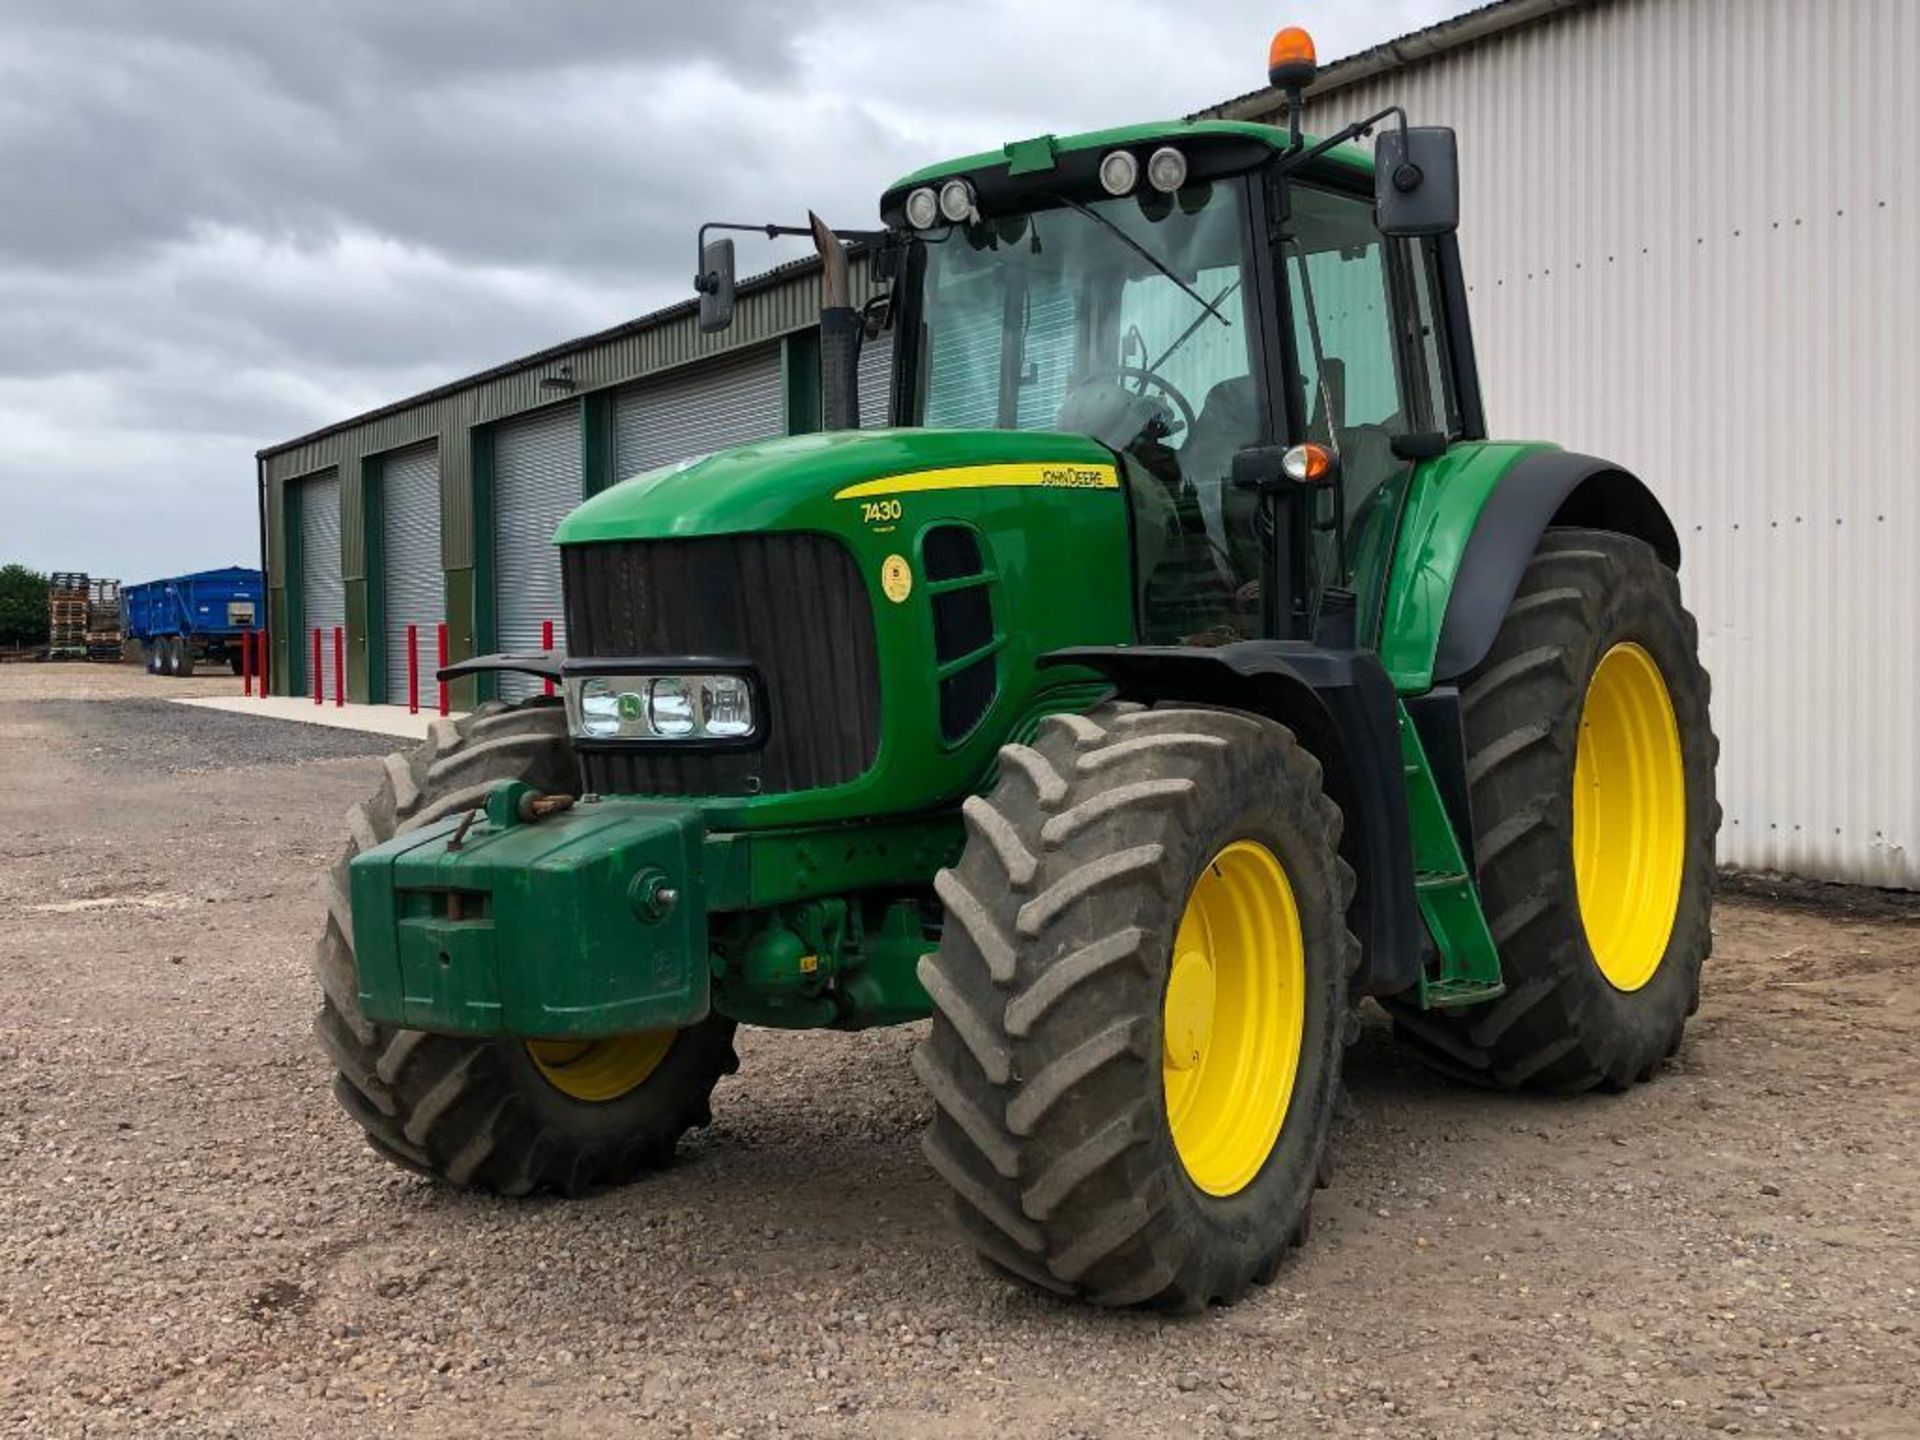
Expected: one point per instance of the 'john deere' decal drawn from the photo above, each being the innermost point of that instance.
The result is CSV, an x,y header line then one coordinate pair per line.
x,y
1050,476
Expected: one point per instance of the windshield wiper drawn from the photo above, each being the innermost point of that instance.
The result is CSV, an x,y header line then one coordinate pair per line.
x,y
1145,254
1187,334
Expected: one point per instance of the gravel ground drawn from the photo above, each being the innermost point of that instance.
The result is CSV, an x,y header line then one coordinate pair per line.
x,y
193,1241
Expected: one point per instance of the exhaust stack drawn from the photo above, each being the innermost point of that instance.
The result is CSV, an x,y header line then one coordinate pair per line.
x,y
840,333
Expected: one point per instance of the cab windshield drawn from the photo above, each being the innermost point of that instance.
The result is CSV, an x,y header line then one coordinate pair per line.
x,y
1128,320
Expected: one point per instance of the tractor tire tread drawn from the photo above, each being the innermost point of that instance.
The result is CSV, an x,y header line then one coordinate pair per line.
x,y
1040,1127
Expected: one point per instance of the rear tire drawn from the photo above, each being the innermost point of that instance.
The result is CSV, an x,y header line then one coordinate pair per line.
x,y
1564,1024
1073,1136
494,1114
183,658
150,654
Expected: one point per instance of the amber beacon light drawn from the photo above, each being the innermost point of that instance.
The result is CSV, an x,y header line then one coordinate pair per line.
x,y
1290,60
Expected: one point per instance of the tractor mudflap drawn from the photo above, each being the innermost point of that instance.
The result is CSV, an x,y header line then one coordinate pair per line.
x,y
584,923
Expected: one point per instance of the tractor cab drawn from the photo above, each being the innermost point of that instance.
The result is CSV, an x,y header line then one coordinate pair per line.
x,y
1198,299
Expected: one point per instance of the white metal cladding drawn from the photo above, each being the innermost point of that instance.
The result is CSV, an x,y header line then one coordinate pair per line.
x,y
876,380
537,480
323,593
1688,229
698,410
415,588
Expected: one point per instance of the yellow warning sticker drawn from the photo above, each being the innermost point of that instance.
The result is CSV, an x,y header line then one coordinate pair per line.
x,y
896,578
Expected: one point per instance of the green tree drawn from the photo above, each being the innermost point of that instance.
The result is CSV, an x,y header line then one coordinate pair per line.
x,y
23,606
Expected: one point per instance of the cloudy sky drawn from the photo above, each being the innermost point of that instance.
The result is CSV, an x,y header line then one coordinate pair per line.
x,y
226,222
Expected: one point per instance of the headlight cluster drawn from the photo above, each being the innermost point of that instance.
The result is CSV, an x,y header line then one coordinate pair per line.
x,y
661,707
1120,171
954,202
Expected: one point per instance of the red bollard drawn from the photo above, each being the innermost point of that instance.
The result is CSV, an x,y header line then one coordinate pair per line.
x,y
246,662
319,672
339,666
413,670
442,666
546,643
261,636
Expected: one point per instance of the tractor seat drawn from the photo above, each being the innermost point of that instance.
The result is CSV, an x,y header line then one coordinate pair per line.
x,y
1229,420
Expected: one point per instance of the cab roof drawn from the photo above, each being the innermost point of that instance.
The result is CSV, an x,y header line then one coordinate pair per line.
x,y
1043,153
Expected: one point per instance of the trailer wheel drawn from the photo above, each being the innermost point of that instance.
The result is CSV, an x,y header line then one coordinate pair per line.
x,y
1590,757
504,1115
150,656
1139,1006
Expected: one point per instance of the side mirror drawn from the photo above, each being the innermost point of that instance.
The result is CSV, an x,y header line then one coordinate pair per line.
x,y
1416,180
715,284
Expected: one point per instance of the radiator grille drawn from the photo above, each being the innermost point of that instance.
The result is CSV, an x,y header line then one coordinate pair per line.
x,y
793,604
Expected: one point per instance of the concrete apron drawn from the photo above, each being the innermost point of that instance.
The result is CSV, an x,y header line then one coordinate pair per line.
x,y
375,719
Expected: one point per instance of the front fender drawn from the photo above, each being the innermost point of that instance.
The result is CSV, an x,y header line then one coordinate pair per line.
x,y
1341,707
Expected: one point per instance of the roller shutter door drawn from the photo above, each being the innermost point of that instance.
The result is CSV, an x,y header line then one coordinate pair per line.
x,y
536,482
876,380
323,594
697,411
415,588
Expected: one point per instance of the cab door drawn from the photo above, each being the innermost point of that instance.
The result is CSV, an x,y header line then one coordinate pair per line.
x,y
1373,374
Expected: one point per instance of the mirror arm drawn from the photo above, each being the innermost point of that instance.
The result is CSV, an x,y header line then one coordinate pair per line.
x,y
706,284
1358,130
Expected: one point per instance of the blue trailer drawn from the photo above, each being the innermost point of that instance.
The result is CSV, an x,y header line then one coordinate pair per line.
x,y
189,618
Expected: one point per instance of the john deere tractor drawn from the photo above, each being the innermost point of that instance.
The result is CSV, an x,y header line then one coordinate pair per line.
x,y
1181,666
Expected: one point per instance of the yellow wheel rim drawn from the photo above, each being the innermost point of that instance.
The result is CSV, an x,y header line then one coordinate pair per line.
x,y
600,1070
1629,816
1233,1017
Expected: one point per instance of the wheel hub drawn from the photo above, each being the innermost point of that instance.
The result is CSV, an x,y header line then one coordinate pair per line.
x,y
1189,1010
1233,1018
1629,816
600,1070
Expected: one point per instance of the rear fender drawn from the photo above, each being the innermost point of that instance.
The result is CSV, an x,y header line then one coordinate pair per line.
x,y
1471,524
1340,705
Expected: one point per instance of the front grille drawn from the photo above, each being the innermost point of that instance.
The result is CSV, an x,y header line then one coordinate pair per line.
x,y
793,604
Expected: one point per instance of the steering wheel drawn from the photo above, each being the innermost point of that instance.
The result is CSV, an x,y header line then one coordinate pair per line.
x,y
1145,378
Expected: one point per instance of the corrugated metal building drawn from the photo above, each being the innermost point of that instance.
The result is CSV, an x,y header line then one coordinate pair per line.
x,y
481,470
1682,233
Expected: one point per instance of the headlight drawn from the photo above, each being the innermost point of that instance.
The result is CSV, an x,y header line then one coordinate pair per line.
x,y
1166,169
956,201
675,707
1119,172
923,208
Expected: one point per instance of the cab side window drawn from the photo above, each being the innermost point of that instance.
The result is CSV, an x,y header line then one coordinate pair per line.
x,y
1372,361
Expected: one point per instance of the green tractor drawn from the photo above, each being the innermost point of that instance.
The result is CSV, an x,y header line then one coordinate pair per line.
x,y
1183,665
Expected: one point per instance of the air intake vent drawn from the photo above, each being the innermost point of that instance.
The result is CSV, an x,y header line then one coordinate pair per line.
x,y
951,552
964,644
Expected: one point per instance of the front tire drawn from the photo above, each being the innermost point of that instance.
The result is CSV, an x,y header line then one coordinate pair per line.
x,y
506,1115
1139,1006
1590,760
